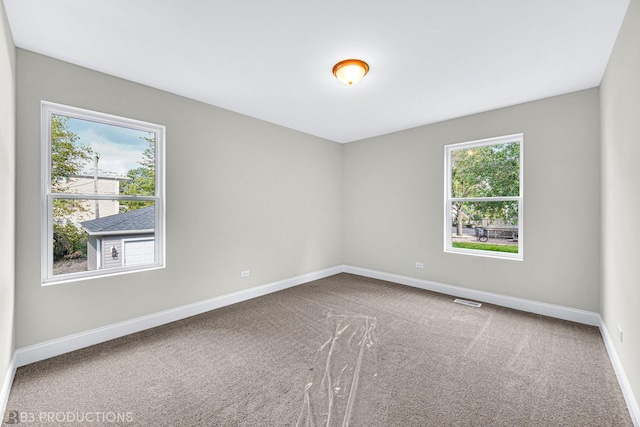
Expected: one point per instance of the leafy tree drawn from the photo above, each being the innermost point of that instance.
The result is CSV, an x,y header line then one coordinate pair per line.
x,y
67,239
67,159
142,180
488,171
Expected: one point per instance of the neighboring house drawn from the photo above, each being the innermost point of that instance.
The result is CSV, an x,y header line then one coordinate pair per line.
x,y
107,183
121,240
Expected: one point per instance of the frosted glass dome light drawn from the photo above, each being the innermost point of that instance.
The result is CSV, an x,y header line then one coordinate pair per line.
x,y
350,71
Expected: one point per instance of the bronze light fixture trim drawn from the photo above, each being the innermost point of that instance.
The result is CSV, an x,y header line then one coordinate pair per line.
x,y
350,71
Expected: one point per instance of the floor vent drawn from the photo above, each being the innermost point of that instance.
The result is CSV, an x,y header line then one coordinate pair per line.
x,y
469,303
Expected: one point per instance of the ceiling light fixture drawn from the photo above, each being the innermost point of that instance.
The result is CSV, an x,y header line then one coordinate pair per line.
x,y
350,71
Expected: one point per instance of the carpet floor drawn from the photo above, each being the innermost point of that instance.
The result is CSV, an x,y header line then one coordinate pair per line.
x,y
345,350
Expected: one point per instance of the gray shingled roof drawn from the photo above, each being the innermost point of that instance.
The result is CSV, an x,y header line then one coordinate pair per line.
x,y
137,220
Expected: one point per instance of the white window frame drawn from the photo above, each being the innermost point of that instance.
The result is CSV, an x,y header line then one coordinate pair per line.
x,y
448,149
47,110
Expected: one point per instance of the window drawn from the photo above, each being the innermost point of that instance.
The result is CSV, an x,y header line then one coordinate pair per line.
x,y
483,197
102,194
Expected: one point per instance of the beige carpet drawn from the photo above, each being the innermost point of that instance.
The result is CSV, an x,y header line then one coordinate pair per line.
x,y
346,350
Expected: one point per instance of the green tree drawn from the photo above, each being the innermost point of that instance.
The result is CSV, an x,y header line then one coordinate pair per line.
x,y
488,171
142,180
67,239
68,158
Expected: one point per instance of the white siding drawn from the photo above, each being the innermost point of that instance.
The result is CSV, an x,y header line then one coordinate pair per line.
x,y
118,241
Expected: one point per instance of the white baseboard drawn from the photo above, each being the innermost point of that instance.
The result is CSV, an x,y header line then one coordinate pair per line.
x,y
6,387
632,403
557,311
56,347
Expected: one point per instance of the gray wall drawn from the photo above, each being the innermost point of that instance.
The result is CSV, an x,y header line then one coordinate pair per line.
x,y
394,202
620,107
242,194
7,193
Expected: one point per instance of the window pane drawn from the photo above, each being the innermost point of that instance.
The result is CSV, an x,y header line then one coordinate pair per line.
x,y
489,226
84,240
486,171
95,158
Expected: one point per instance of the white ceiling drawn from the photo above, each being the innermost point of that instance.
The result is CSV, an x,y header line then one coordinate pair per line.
x,y
430,60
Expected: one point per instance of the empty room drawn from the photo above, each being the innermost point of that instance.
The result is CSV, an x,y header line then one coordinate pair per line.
x,y
336,213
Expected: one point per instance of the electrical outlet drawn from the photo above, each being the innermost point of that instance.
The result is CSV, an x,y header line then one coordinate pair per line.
x,y
245,273
419,265
620,333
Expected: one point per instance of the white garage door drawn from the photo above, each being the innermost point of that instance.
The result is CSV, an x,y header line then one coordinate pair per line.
x,y
138,252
